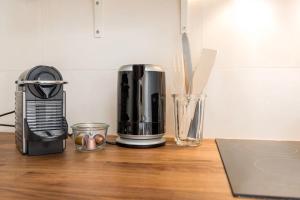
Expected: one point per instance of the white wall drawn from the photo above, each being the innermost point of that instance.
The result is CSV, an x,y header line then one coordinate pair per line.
x,y
254,88
60,33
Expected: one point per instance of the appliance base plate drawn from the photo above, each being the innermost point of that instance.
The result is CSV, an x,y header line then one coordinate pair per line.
x,y
140,144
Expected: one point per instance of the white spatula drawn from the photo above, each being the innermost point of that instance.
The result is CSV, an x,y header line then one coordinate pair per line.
x,y
203,70
200,78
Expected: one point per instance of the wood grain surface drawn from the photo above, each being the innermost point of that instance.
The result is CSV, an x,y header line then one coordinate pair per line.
x,y
168,172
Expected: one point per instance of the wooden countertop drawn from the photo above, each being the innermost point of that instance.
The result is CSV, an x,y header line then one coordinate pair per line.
x,y
168,172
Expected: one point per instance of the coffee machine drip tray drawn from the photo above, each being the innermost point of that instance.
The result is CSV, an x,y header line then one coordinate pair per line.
x,y
140,143
264,169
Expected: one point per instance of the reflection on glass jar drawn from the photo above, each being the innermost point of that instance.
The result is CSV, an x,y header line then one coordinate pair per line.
x,y
189,115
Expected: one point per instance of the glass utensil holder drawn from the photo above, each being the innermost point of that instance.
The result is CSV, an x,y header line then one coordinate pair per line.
x,y
189,118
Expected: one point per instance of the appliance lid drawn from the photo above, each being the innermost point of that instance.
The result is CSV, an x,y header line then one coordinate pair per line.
x,y
43,81
43,73
148,67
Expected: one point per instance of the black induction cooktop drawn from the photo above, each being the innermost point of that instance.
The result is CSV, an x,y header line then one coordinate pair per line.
x,y
263,169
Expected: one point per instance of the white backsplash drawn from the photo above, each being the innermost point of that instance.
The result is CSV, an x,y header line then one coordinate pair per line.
x,y
254,88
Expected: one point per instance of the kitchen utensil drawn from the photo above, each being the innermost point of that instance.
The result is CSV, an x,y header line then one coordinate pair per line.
x,y
188,68
203,70
178,78
141,106
89,136
192,133
41,126
200,78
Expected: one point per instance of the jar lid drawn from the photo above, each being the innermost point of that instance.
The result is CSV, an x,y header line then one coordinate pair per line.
x,y
90,126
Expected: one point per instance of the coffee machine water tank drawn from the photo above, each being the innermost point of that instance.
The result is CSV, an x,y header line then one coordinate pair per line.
x,y
141,106
41,126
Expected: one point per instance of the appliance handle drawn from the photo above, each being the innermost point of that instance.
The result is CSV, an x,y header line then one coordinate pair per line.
x,y
41,82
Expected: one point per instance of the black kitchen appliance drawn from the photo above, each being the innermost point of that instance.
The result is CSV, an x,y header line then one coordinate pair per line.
x,y
40,108
141,106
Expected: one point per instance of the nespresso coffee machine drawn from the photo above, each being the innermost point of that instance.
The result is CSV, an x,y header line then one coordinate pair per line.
x,y
40,108
141,106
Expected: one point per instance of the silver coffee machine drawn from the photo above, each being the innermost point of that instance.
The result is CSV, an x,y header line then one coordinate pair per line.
x,y
141,106
41,126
